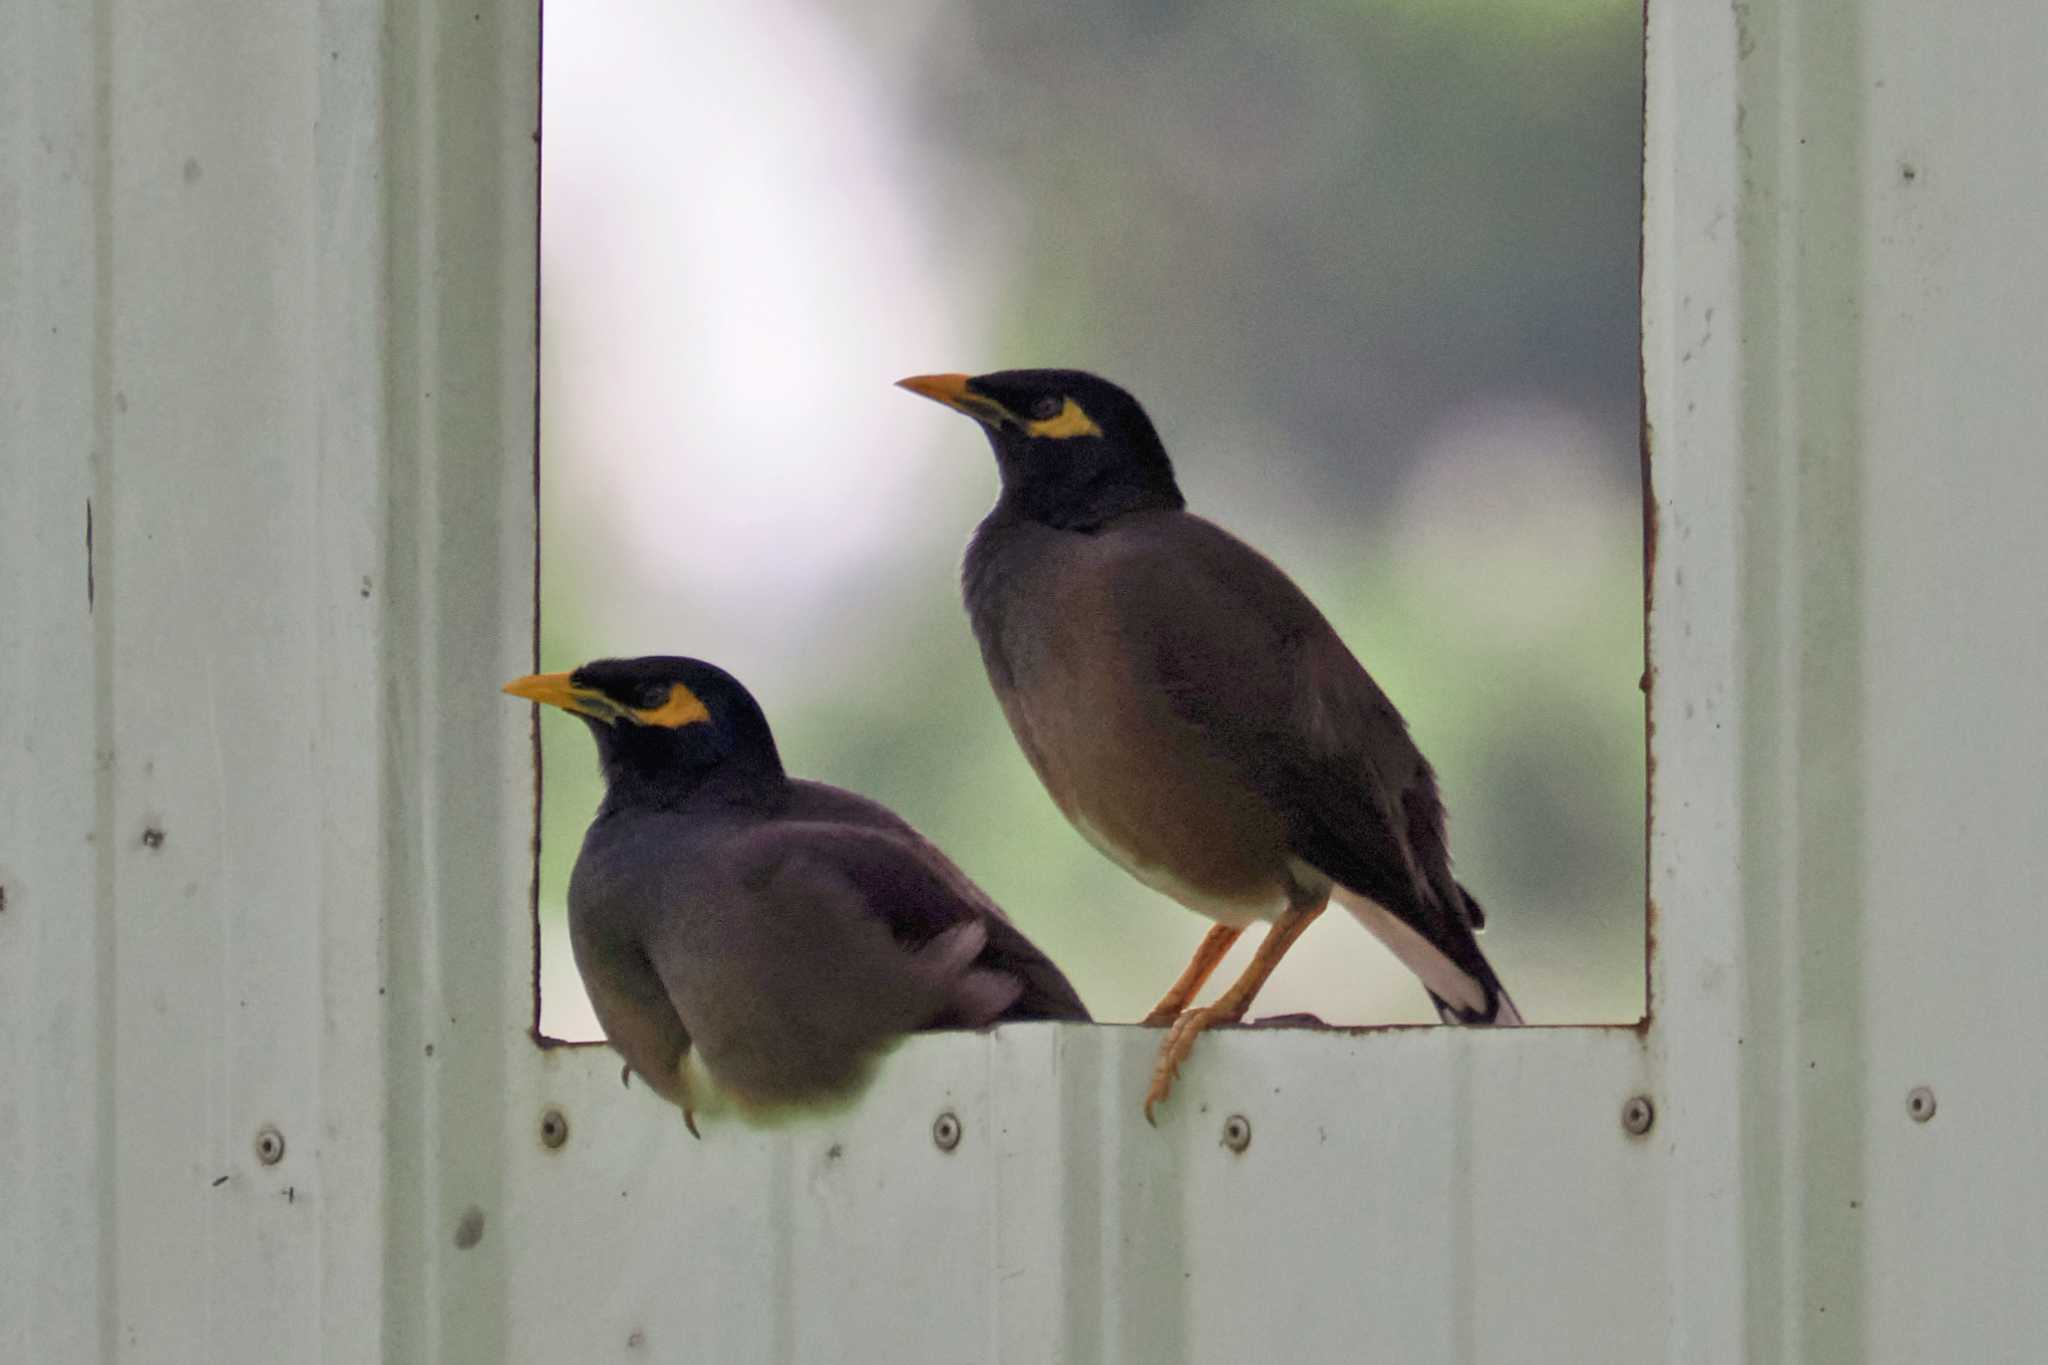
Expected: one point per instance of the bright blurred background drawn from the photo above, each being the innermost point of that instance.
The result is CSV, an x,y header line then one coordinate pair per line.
x,y
1372,269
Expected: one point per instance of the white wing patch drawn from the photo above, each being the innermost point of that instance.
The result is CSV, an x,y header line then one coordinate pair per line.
x,y
1450,982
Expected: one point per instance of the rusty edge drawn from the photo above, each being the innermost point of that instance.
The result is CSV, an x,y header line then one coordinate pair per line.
x,y
533,1030
1646,443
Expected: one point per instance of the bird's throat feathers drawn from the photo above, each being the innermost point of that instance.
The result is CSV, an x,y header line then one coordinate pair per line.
x,y
1081,484
655,766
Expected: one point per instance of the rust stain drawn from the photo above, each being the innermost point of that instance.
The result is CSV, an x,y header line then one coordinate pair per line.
x,y
1650,909
1646,444
539,341
1287,1023
1649,962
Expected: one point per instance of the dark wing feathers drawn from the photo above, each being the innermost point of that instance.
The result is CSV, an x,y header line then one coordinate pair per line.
x,y
919,893
1243,656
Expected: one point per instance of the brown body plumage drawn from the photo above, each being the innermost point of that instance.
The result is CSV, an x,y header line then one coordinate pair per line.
x,y
1189,709
786,930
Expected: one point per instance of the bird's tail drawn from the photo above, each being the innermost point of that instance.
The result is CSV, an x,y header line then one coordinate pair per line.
x,y
1460,981
1501,1011
1504,1011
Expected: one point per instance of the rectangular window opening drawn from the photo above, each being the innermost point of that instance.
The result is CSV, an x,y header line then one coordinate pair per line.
x,y
1372,273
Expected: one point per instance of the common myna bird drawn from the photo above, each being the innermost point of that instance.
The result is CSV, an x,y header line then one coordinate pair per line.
x,y
1191,712
786,929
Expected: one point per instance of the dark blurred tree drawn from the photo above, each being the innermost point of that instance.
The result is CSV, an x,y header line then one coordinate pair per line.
x,y
1346,219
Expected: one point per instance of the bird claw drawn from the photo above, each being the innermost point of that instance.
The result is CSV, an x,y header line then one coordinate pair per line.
x,y
686,1101
1180,1040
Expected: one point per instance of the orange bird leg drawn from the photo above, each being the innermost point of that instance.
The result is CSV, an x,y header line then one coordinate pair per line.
x,y
1214,946
1233,1004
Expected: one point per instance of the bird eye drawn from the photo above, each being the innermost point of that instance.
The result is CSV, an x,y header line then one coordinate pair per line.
x,y
653,696
1047,408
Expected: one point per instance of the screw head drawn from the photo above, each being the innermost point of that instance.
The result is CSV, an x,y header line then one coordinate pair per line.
x,y
946,1131
269,1145
1237,1132
554,1128
1638,1115
1920,1103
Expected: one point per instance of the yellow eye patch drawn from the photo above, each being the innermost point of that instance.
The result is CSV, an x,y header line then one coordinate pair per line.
x,y
682,708
1070,420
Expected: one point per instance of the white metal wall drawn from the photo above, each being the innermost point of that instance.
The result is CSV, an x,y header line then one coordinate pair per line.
x,y
264,847
269,324
1846,326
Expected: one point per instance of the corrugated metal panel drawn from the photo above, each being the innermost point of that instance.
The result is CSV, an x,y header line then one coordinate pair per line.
x,y
1411,1194
55,1147
269,323
1951,188
265,848
1846,318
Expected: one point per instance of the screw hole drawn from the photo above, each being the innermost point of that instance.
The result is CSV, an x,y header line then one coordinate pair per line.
x,y
946,1131
1920,1103
554,1128
1237,1132
269,1146
1638,1116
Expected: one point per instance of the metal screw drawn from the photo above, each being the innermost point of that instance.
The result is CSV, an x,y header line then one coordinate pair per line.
x,y
554,1128
1920,1103
1638,1115
269,1145
946,1131
1237,1132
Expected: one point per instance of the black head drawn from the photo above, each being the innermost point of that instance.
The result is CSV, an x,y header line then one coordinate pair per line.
x,y
664,725
1074,450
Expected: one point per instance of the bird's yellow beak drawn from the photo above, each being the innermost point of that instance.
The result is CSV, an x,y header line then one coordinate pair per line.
x,y
952,390
555,689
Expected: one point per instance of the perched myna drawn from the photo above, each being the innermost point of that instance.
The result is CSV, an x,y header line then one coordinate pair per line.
x,y
787,929
1191,711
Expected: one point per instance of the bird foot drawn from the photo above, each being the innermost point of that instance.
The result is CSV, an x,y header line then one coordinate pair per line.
x,y
1161,1016
1180,1040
